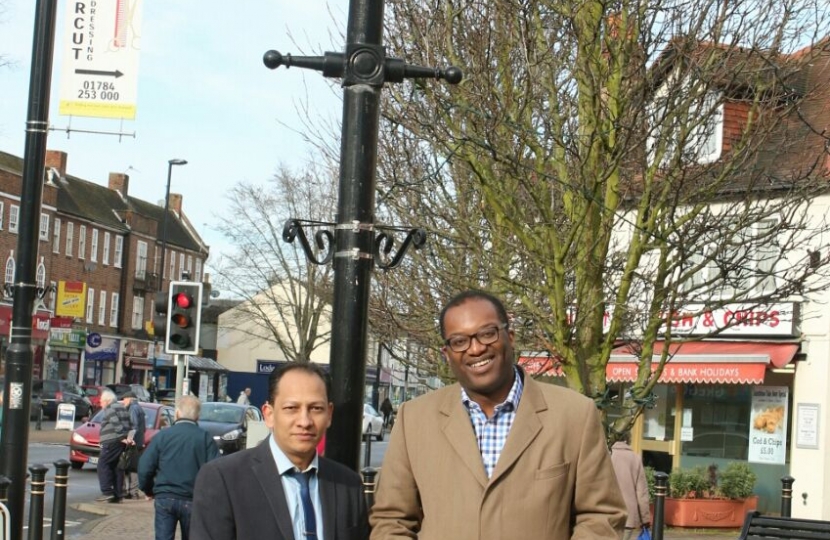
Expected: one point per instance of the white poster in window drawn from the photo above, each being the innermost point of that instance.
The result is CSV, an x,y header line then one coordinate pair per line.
x,y
807,423
768,425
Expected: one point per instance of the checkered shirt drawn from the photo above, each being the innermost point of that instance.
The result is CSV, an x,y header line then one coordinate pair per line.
x,y
491,433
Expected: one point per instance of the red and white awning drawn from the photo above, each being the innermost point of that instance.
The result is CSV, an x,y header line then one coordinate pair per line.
x,y
702,362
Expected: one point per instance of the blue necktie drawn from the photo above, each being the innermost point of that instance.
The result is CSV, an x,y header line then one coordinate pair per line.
x,y
309,518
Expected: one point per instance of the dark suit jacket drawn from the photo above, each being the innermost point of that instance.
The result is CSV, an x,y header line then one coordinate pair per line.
x,y
240,497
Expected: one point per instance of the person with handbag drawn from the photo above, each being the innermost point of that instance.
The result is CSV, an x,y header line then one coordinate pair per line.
x,y
631,476
135,445
115,426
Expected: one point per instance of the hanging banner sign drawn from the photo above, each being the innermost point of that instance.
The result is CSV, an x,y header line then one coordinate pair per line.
x,y
99,74
71,299
768,425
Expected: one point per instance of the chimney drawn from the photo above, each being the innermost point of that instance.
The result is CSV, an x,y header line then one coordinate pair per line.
x,y
176,203
55,159
119,182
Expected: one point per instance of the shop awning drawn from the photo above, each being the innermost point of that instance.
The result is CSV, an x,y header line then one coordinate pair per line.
x,y
709,362
201,363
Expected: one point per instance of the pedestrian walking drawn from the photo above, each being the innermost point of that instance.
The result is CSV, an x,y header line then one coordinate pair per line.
x,y
386,410
496,455
167,470
138,424
631,476
244,397
282,489
115,425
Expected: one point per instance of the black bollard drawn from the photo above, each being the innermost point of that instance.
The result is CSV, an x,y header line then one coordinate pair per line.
x,y
660,488
369,483
787,482
37,501
4,489
367,454
59,501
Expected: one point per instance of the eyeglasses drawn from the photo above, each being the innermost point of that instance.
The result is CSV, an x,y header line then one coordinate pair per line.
x,y
486,336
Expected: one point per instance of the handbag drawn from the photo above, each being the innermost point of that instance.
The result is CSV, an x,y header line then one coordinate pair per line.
x,y
128,460
645,534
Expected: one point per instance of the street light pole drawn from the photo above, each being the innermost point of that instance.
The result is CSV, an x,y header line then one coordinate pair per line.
x,y
163,263
164,225
19,358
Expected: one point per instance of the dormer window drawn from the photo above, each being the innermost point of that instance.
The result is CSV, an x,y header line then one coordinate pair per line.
x,y
685,119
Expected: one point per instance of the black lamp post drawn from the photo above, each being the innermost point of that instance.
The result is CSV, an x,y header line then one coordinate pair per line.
x,y
357,244
164,225
19,358
163,263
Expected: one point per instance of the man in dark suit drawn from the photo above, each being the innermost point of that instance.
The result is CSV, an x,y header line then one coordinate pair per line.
x,y
282,490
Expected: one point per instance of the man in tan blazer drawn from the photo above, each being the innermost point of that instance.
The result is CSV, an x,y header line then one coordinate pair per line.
x,y
496,456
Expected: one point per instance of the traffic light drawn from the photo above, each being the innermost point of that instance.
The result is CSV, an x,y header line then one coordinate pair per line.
x,y
184,308
160,316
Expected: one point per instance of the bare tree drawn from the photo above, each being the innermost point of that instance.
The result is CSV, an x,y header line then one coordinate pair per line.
x,y
606,166
286,298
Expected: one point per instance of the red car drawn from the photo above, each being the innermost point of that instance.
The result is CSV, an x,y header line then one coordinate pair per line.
x,y
93,394
85,444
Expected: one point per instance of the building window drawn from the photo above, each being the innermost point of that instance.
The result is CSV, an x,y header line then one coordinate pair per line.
x,y
198,277
138,312
119,250
102,309
40,278
141,260
9,276
44,227
181,266
56,234
14,218
53,293
738,266
685,124
190,266
172,266
70,238
1,215
82,241
114,310
93,255
90,305
105,258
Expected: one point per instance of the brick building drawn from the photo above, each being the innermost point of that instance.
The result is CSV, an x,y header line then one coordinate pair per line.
x,y
106,246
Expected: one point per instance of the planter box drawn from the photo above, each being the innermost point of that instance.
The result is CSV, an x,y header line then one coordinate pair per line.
x,y
725,513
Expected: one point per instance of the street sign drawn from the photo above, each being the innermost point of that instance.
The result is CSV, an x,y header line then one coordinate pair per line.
x,y
94,339
66,417
99,74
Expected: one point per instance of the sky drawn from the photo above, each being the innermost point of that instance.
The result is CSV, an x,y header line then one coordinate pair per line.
x,y
203,95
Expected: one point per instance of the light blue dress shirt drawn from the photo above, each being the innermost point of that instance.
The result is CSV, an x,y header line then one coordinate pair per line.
x,y
291,488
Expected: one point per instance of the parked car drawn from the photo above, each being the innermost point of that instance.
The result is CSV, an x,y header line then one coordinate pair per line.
x,y
53,392
166,396
93,394
85,443
372,423
228,423
140,392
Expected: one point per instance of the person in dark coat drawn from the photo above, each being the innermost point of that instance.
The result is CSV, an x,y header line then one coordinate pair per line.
x,y
138,421
386,409
167,469
282,489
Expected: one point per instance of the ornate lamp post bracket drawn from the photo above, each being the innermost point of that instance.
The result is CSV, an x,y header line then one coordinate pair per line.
x,y
383,242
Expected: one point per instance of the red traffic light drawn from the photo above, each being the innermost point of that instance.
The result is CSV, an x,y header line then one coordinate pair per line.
x,y
182,300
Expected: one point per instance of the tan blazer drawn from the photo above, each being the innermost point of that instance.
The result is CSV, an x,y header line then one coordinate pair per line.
x,y
553,480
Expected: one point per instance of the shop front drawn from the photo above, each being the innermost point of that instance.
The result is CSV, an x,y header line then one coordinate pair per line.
x,y
40,335
65,350
717,402
100,359
138,362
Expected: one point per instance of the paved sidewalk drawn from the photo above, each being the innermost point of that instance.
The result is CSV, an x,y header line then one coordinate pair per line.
x,y
135,518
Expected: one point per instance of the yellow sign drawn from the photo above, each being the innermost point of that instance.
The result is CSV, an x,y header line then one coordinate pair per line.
x,y
71,299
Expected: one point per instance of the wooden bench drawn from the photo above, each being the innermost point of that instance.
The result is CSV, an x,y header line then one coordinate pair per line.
x,y
759,527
